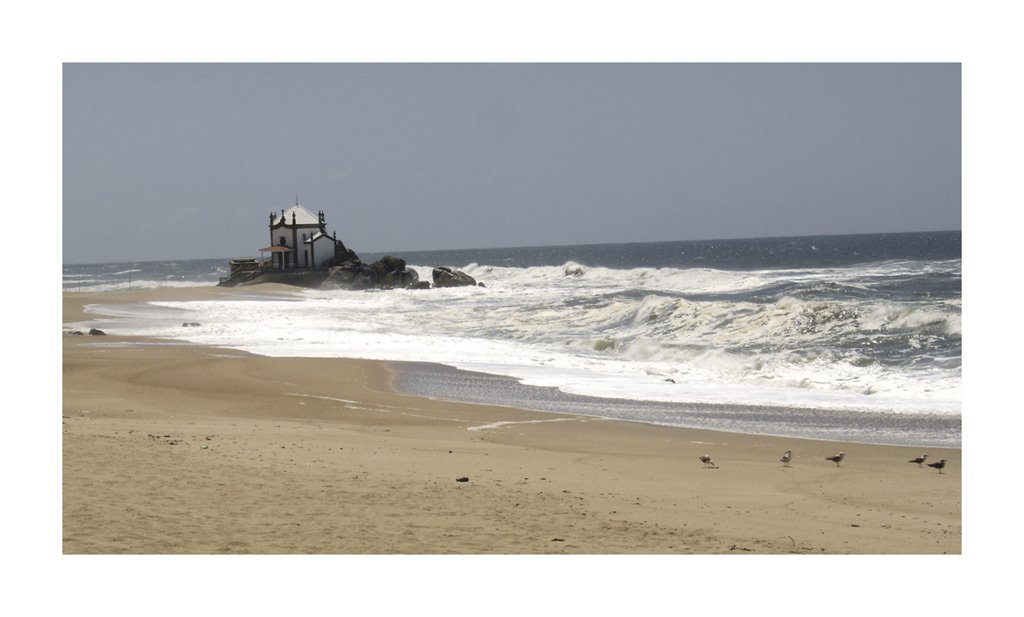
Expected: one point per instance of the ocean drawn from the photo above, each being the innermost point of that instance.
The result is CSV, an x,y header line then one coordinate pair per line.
x,y
853,338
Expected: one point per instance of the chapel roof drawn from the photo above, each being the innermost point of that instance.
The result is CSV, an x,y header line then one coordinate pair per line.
x,y
302,216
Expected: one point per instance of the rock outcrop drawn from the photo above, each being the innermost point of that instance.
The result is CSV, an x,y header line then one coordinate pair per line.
x,y
388,272
446,277
345,270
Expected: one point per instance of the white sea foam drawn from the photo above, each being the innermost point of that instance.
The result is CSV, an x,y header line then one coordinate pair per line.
x,y
502,424
634,334
123,285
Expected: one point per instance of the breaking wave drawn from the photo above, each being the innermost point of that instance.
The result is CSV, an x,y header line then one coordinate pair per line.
x,y
830,337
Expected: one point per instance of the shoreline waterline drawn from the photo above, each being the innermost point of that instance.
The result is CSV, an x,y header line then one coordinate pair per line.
x,y
853,324
446,383
442,382
867,352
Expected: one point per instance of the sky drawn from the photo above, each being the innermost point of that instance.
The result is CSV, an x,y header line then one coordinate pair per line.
x,y
189,159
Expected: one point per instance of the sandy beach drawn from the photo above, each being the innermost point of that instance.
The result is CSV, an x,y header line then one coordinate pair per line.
x,y
182,449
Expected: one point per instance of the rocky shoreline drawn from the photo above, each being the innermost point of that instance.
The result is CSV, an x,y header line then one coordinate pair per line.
x,y
388,272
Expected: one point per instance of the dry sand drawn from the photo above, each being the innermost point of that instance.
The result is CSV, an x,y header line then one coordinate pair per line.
x,y
183,449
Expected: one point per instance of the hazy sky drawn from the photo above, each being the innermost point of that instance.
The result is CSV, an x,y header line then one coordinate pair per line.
x,y
177,161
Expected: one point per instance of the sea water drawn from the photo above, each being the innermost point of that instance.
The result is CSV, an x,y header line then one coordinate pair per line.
x,y
833,337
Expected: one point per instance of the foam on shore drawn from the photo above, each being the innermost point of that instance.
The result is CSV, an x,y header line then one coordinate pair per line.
x,y
447,383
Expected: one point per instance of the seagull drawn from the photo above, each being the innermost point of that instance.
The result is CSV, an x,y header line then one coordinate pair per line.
x,y
788,456
708,462
835,459
939,465
919,460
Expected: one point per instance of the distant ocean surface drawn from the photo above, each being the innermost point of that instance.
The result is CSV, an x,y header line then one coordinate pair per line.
x,y
834,337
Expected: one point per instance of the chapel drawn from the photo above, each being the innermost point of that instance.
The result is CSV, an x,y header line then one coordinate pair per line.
x,y
299,239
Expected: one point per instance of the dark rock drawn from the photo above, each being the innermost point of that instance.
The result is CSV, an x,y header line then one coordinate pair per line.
x,y
77,333
96,332
402,277
390,263
347,275
342,254
386,272
446,277
462,479
190,324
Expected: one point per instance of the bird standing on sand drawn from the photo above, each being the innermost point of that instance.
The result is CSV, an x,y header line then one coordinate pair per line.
x,y
788,456
939,465
708,462
919,460
835,459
